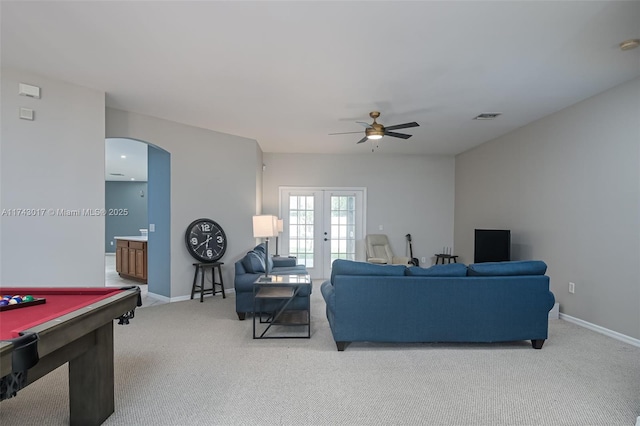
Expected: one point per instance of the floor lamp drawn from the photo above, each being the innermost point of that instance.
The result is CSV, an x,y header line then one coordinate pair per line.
x,y
265,226
280,229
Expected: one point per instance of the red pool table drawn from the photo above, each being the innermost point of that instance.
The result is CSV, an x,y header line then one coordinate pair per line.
x,y
74,325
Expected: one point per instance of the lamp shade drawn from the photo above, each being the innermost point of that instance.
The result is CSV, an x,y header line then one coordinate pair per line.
x,y
265,226
280,225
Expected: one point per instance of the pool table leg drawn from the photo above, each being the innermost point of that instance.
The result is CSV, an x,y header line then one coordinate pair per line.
x,y
91,381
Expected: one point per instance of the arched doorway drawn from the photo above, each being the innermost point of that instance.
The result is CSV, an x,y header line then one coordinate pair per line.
x,y
155,194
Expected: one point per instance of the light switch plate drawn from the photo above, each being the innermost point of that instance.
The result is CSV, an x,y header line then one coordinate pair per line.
x,y
26,114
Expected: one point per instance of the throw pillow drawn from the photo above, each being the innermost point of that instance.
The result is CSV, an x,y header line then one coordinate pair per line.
x,y
253,262
448,270
518,267
349,267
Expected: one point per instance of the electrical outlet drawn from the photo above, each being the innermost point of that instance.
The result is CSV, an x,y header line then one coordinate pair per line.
x,y
424,260
380,227
572,287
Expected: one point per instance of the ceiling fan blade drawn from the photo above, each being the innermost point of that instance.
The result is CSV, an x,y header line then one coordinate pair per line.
x,y
344,133
397,135
367,125
362,140
402,126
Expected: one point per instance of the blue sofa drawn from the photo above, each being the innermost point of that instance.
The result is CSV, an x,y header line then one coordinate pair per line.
x,y
485,302
248,270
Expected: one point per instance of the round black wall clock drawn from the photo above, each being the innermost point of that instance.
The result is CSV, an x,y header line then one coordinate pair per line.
x,y
205,240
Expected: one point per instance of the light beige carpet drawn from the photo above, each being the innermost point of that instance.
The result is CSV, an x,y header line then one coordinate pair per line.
x,y
192,363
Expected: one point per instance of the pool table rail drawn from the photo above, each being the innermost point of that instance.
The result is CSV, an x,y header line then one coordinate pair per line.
x,y
84,339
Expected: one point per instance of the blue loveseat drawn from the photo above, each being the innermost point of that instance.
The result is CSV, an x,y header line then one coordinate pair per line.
x,y
485,302
248,270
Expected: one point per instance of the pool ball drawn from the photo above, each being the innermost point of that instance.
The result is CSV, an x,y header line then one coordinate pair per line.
x,y
18,299
4,302
13,302
28,298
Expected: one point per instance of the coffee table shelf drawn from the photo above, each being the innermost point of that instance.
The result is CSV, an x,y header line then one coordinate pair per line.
x,y
285,288
293,318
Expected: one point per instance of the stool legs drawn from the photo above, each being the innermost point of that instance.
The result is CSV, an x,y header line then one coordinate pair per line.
x,y
202,274
219,268
195,280
202,269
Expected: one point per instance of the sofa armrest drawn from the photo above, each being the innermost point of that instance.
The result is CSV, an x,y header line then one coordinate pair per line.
x,y
239,268
329,294
279,262
400,260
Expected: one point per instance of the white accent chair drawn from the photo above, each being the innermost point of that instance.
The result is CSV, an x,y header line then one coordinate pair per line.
x,y
379,251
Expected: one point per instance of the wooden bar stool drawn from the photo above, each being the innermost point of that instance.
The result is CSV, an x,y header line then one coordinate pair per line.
x,y
202,269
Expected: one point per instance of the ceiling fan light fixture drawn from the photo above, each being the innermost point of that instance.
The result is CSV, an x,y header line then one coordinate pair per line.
x,y
630,44
374,133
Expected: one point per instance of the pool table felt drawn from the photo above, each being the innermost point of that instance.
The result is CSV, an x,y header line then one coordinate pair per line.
x,y
60,301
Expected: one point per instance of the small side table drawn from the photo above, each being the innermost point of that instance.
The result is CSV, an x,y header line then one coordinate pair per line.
x,y
446,257
202,269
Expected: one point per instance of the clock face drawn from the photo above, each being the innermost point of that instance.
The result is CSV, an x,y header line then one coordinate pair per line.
x,y
205,240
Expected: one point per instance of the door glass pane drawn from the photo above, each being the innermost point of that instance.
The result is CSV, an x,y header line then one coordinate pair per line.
x,y
342,227
301,223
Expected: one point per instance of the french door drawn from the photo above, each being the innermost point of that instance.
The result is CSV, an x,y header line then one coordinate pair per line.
x,y
322,225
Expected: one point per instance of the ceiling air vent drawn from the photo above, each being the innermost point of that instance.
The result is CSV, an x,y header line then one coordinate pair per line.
x,y
488,116
116,174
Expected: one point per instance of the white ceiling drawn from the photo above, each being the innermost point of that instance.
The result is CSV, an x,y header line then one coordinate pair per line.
x,y
125,160
289,73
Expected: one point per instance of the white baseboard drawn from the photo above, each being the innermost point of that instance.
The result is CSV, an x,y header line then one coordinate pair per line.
x,y
610,333
159,297
182,298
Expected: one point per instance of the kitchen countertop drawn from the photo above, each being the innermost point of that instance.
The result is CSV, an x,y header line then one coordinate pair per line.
x,y
132,238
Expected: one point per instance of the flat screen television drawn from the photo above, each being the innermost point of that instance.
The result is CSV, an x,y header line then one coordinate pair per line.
x,y
492,245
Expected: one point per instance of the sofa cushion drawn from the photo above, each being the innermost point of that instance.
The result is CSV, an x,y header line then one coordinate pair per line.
x,y
253,262
448,270
518,267
349,267
261,249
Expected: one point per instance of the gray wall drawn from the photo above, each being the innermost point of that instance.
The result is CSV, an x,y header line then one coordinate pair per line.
x,y
119,196
568,186
54,162
406,194
213,175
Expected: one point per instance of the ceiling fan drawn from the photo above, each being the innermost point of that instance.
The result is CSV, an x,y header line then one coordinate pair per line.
x,y
376,130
